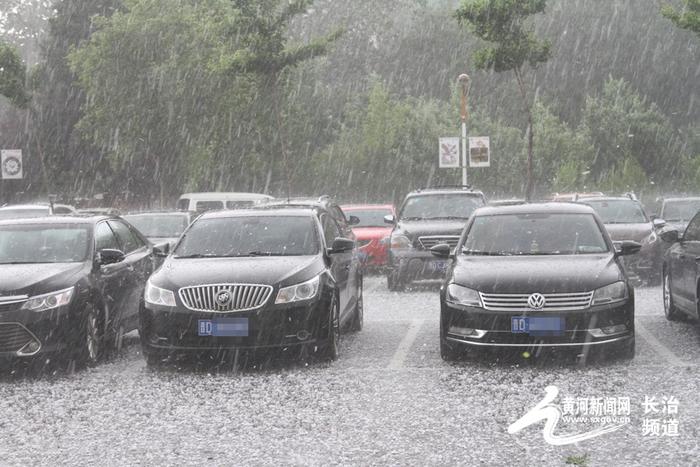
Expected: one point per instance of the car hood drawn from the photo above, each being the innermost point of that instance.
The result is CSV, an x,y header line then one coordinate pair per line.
x,y
34,279
414,229
371,233
634,232
532,274
277,270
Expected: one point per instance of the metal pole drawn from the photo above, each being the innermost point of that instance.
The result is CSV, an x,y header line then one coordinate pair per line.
x,y
464,153
464,81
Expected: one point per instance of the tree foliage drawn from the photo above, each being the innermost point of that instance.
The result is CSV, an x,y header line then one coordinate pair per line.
x,y
686,18
12,76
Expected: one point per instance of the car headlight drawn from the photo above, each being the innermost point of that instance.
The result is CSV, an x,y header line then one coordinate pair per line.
x,y
458,295
49,301
612,293
157,296
400,242
299,292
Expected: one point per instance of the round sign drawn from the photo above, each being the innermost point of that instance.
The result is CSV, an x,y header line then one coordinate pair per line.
x,y
12,166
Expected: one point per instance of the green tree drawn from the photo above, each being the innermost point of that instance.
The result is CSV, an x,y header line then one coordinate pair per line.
x,y
12,76
504,24
687,18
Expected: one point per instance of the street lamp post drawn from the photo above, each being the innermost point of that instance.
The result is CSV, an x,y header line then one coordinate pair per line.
x,y
464,81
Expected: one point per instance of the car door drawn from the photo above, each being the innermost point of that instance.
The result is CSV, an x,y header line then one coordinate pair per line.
x,y
111,278
341,263
140,266
689,259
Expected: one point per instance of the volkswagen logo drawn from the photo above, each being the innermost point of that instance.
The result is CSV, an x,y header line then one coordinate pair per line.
x,y
223,298
536,301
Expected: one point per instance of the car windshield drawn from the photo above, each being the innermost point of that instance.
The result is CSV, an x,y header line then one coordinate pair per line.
x,y
534,234
23,213
441,206
369,217
680,211
250,236
159,225
619,211
29,244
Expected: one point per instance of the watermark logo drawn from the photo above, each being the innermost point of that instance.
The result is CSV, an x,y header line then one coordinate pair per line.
x,y
611,413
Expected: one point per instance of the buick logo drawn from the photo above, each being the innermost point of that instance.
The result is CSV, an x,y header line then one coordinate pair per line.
x,y
223,298
536,301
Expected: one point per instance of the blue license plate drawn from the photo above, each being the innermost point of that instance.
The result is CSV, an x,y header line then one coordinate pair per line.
x,y
224,327
537,325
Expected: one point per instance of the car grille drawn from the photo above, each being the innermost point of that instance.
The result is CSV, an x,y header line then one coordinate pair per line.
x,y
13,337
553,302
429,242
241,297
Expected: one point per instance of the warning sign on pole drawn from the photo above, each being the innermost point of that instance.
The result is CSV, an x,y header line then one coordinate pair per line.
x,y
11,164
479,152
449,153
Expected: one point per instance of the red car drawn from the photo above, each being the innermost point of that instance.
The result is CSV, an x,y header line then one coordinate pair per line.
x,y
372,232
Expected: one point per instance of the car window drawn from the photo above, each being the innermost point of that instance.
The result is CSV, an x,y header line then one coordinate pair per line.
x,y
680,211
105,238
440,206
619,211
209,205
183,204
239,204
330,229
692,233
62,210
338,215
127,239
159,225
370,217
51,243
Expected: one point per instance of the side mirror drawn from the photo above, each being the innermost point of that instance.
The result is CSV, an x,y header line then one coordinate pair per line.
x,y
109,256
342,245
390,219
442,250
628,247
161,251
658,223
670,236
353,220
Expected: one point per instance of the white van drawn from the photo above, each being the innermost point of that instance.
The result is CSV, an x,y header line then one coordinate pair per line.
x,y
200,202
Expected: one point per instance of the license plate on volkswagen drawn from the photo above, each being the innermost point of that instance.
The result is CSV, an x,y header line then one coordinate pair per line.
x,y
537,325
224,327
439,267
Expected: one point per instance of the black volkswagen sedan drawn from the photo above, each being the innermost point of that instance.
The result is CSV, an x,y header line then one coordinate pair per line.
x,y
249,279
534,276
69,286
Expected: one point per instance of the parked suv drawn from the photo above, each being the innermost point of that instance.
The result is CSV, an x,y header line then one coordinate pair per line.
x,y
427,217
625,219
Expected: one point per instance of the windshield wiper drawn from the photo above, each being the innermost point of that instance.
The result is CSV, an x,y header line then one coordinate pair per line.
x,y
483,253
198,255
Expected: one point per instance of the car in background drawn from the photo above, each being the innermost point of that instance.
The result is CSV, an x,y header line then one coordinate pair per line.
x,y
70,287
326,203
573,197
427,217
161,227
536,276
254,279
100,212
372,232
681,272
677,212
201,202
626,219
25,211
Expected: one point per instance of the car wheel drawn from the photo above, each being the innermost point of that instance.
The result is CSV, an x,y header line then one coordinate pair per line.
x,y
672,313
448,352
330,350
394,282
359,317
91,337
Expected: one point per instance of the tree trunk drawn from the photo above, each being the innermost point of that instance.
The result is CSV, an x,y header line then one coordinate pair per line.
x,y
530,140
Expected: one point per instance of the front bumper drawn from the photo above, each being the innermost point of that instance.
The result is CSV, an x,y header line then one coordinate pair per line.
x,y
410,265
25,333
601,325
168,331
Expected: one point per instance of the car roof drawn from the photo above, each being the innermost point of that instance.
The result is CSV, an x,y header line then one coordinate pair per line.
x,y
229,196
259,211
607,198
536,208
354,207
58,219
445,190
159,213
26,206
688,198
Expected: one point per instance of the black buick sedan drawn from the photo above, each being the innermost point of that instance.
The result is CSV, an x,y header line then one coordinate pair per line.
x,y
534,276
249,279
69,286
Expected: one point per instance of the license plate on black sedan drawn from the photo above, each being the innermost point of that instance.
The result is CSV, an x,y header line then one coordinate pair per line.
x,y
223,327
537,325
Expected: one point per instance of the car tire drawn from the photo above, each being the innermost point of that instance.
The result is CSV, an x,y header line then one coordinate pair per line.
x,y
91,339
448,352
359,315
394,282
330,350
672,313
